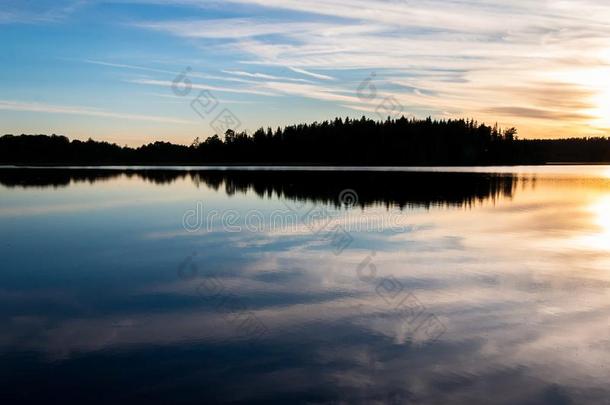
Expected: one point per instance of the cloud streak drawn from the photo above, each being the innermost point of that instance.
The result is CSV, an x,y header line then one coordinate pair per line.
x,y
540,66
10,105
465,57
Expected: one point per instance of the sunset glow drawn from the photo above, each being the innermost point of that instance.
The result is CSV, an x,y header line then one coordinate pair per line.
x,y
539,66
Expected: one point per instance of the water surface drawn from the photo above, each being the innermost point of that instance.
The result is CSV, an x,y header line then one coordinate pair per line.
x,y
192,285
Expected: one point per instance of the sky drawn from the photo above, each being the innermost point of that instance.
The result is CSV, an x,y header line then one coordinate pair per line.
x,y
136,71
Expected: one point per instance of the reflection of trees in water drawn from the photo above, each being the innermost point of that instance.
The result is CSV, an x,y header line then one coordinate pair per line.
x,y
373,188
50,177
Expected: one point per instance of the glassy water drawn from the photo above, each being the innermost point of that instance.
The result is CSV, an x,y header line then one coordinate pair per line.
x,y
483,285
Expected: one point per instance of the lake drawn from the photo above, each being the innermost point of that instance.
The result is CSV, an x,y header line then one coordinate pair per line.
x,y
196,285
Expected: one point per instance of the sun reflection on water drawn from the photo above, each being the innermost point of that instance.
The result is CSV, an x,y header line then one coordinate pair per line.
x,y
601,218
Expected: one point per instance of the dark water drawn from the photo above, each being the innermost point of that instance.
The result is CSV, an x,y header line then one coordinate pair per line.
x,y
305,287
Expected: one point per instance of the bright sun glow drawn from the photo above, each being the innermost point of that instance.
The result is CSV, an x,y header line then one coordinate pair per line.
x,y
602,109
597,81
600,79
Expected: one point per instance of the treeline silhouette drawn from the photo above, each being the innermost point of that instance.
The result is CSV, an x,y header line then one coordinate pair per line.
x,y
346,141
400,189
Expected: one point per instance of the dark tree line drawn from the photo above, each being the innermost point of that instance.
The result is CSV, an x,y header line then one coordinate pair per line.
x,y
338,142
418,189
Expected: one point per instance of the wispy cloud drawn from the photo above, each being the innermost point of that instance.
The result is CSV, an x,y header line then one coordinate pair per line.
x,y
312,74
541,66
167,83
77,110
194,74
468,57
537,113
126,66
263,76
22,12
233,28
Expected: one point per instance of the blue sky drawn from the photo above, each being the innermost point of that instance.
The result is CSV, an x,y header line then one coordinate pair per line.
x,y
104,69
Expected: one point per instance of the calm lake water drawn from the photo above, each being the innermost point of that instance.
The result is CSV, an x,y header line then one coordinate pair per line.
x,y
483,285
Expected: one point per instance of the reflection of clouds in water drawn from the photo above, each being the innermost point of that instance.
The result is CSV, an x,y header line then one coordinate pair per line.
x,y
89,206
526,309
283,222
369,362
491,325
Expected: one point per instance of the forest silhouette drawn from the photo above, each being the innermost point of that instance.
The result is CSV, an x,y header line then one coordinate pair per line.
x,y
378,188
354,142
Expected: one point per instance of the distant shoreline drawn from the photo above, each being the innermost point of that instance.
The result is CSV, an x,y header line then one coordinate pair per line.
x,y
273,165
296,167
398,142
